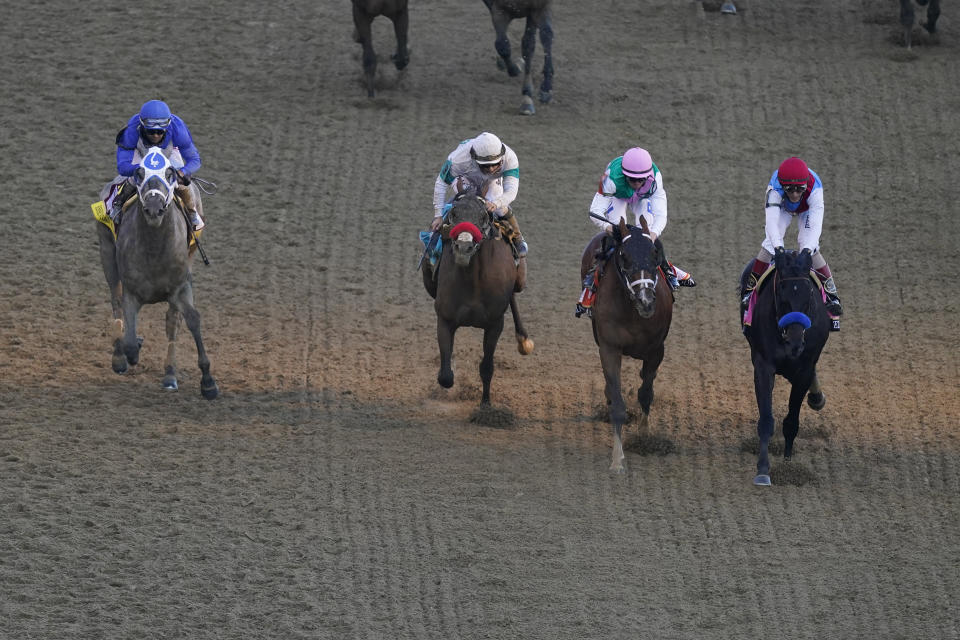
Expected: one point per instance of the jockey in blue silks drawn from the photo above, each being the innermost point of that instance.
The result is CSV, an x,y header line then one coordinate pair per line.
x,y
156,126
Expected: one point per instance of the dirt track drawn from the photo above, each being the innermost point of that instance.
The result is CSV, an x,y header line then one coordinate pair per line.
x,y
334,490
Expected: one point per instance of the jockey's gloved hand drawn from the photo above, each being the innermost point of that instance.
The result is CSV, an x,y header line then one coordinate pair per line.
x,y
183,178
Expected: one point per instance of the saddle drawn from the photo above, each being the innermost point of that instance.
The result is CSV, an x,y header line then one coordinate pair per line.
x,y
767,276
100,214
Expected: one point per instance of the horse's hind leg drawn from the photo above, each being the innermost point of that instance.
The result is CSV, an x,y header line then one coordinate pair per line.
x,y
527,46
400,26
791,422
546,41
502,43
170,367
365,37
524,343
208,386
610,360
126,350
906,21
491,335
816,398
108,260
645,393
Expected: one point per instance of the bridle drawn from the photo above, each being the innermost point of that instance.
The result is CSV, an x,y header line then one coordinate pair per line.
x,y
635,287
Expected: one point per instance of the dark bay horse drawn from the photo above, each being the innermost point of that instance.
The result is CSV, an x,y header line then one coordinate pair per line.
x,y
475,282
789,328
538,19
631,317
364,11
150,262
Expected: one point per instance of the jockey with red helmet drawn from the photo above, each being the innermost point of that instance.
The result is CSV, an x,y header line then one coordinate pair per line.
x,y
490,168
632,183
156,126
794,191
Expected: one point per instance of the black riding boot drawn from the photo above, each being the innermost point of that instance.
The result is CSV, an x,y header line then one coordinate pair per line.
x,y
123,194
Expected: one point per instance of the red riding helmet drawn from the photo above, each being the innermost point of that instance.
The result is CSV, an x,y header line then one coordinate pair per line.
x,y
793,171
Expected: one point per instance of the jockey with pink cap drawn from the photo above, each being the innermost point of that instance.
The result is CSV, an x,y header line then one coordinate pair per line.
x,y
633,184
794,191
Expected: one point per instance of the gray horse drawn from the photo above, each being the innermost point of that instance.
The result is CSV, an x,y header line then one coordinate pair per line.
x,y
149,262
907,18
538,19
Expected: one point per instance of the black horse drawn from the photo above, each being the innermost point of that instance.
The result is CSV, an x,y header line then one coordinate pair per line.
x,y
789,326
631,317
537,15
364,11
475,281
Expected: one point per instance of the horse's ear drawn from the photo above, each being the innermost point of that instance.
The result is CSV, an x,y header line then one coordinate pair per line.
x,y
622,228
643,225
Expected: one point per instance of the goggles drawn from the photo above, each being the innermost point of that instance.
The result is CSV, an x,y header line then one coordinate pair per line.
x,y
794,188
155,123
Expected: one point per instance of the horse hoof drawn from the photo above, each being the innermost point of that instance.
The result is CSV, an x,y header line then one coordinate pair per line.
x,y
617,467
762,480
445,381
514,70
546,97
525,346
170,384
526,107
120,367
816,401
210,392
139,341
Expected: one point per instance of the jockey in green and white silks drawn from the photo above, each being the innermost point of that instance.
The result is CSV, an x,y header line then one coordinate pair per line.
x,y
489,167
632,184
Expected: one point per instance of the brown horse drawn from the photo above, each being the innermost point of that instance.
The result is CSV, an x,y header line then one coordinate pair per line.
x,y
472,286
364,11
631,317
538,19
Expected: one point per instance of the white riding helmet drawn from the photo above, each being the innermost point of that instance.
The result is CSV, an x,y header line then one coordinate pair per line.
x,y
487,149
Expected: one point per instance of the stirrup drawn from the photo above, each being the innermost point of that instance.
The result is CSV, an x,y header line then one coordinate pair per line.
x,y
672,281
582,310
197,221
688,282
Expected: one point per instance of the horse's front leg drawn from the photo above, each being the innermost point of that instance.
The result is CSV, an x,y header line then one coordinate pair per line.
x,y
491,335
170,366
791,422
763,379
649,373
546,41
610,360
400,28
208,386
445,333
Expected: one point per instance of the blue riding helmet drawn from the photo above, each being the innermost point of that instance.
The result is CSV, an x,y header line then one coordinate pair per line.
x,y
155,114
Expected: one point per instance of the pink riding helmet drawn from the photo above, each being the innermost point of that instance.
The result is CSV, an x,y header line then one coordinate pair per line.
x,y
637,163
